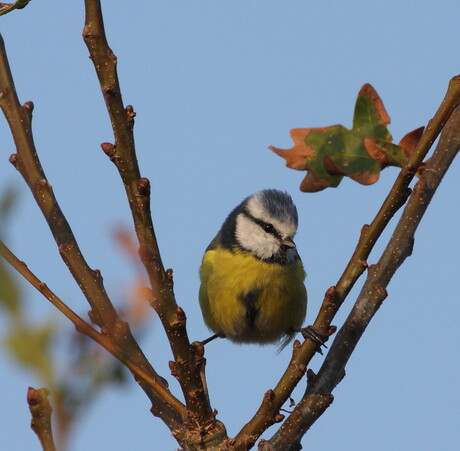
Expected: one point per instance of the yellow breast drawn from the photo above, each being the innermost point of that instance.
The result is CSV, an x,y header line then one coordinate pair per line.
x,y
280,301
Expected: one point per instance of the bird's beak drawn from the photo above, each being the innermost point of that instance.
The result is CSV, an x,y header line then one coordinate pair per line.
x,y
287,242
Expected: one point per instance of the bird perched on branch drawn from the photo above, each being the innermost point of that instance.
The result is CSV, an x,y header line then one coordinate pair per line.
x,y
252,279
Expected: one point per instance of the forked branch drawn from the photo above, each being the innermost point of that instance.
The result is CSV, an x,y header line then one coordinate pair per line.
x,y
373,292
188,364
90,281
335,295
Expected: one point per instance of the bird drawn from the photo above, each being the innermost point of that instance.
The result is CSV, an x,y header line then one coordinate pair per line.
x,y
252,278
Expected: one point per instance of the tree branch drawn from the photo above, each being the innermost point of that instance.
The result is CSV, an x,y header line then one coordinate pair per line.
x,y
373,292
41,410
83,327
188,365
335,295
90,281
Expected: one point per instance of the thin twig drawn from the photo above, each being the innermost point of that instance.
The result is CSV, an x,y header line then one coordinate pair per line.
x,y
6,8
41,410
373,292
335,295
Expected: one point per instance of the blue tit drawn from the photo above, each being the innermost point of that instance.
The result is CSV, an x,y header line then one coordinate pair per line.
x,y
252,279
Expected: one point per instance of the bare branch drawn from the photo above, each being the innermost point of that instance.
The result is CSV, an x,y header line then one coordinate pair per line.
x,y
41,410
335,295
85,328
187,366
373,292
6,8
90,281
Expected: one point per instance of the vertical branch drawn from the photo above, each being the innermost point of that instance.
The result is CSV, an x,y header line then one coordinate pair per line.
x,y
41,410
187,366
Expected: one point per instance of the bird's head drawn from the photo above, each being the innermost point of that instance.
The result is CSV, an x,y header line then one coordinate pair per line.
x,y
265,224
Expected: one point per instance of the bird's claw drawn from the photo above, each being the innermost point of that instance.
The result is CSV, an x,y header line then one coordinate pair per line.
x,y
317,337
211,338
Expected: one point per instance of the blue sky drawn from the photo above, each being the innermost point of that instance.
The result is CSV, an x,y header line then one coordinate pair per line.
x,y
213,84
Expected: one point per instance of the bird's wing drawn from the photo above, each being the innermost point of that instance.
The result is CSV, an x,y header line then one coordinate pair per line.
x,y
250,302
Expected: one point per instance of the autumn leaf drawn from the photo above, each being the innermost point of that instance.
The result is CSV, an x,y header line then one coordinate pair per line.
x,y
330,153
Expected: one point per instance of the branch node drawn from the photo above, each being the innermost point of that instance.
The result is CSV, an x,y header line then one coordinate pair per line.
x,y
143,186
42,187
149,258
64,248
43,184
131,115
14,160
173,368
330,297
311,376
332,330
180,319
110,90
269,396
94,318
104,331
97,274
109,149
198,350
4,93
130,111
301,368
279,417
296,345
422,188
42,287
28,108
364,232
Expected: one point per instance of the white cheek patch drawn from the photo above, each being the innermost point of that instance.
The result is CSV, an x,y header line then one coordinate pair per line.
x,y
251,237
256,209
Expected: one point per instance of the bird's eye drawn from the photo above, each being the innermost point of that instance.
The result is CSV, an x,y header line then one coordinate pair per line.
x,y
268,228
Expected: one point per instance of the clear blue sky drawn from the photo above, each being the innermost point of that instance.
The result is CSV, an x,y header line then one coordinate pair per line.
x,y
213,84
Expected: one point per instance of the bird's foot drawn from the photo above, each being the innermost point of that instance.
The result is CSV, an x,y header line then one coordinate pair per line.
x,y
212,337
313,334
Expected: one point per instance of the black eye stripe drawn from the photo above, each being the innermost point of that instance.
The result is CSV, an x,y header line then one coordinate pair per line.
x,y
266,226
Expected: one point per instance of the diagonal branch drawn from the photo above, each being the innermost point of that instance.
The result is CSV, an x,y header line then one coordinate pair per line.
x,y
27,163
90,281
268,411
373,292
83,327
